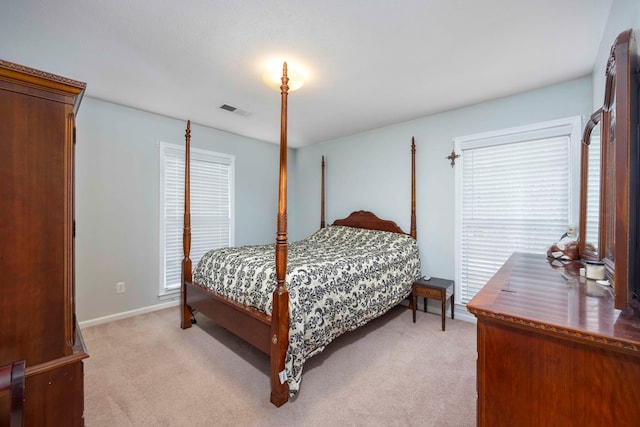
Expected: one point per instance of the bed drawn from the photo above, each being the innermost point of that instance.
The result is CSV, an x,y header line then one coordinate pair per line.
x,y
291,300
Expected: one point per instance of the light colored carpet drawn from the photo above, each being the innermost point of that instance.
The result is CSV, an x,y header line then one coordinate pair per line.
x,y
146,371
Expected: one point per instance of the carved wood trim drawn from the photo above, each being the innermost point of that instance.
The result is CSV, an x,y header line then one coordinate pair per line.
x,y
17,68
413,230
186,267
367,219
617,230
280,306
621,345
71,90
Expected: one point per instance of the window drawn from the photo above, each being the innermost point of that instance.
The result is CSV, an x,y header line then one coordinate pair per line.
x,y
516,190
211,208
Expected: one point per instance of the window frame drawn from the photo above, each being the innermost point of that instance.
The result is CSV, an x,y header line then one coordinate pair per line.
x,y
197,155
570,127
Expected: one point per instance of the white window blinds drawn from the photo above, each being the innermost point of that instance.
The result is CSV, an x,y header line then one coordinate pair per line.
x,y
515,192
211,208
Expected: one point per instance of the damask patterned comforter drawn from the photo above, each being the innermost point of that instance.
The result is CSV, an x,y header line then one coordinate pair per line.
x,y
338,279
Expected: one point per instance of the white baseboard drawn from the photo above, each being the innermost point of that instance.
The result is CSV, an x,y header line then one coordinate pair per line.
x,y
124,315
462,314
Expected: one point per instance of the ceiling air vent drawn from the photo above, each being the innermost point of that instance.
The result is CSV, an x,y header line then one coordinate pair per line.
x,y
228,107
236,110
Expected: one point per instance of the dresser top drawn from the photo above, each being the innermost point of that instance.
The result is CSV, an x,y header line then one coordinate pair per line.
x,y
531,292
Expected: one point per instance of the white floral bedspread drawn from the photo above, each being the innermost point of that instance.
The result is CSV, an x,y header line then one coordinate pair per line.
x,y
338,279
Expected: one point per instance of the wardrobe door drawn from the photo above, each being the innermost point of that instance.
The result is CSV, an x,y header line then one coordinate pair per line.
x,y
33,250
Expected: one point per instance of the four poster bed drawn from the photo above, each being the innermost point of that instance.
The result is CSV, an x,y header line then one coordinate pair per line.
x,y
292,306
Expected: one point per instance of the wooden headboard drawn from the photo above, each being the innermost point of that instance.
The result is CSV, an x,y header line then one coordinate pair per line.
x,y
368,220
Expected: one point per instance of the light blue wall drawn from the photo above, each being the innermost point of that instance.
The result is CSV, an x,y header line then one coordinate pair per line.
x,y
117,179
371,170
117,200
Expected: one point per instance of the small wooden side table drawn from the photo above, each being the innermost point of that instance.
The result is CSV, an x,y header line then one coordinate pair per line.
x,y
440,289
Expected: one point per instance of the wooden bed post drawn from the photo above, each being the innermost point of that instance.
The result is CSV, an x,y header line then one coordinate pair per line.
x,y
280,310
413,231
322,223
185,316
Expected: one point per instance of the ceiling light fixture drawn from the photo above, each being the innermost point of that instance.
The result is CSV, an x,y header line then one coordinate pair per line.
x,y
273,75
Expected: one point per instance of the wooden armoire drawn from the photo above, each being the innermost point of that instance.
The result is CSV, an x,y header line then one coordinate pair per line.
x,y
37,231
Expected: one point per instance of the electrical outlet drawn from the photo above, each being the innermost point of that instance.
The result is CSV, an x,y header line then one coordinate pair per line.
x,y
120,288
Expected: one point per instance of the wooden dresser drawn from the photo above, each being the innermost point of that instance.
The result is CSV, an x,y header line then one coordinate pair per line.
x,y
37,295
553,351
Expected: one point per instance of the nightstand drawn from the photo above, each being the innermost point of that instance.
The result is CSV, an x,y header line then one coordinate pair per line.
x,y
440,289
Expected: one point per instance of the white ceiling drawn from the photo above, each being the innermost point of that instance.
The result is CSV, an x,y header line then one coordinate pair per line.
x,y
370,63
